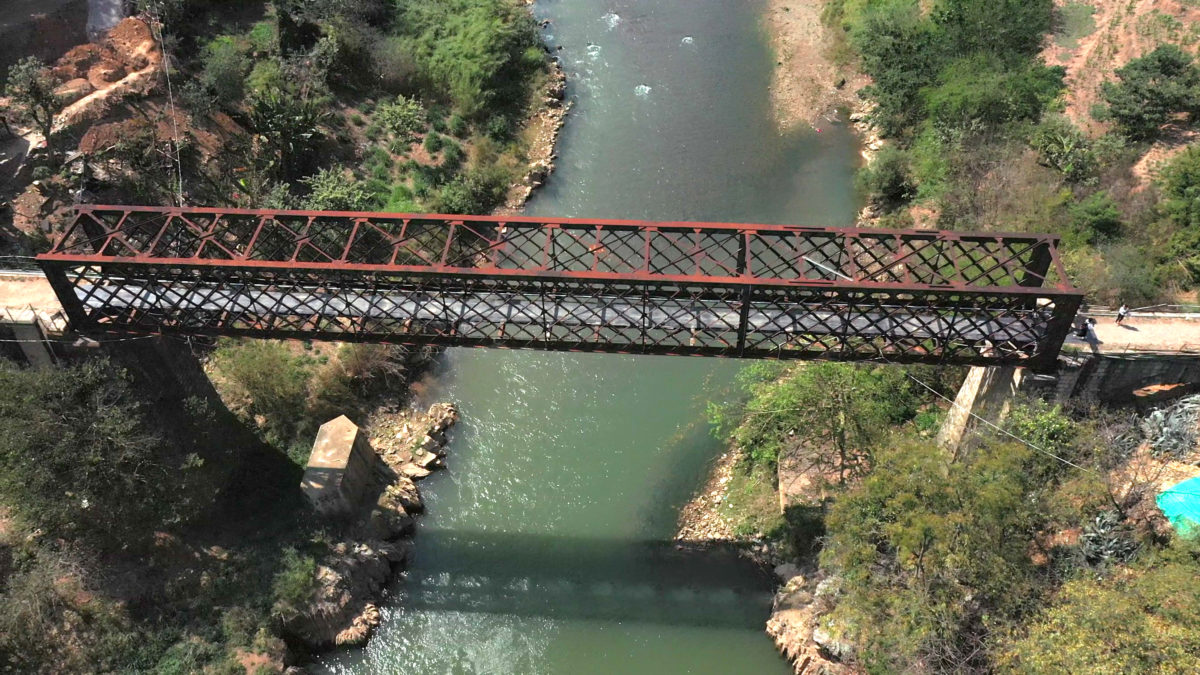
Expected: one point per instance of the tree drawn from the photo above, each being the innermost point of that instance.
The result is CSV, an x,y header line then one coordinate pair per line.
x,y
930,553
1151,89
31,89
838,412
78,459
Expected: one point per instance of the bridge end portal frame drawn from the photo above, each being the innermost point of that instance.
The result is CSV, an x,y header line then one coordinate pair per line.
x,y
704,289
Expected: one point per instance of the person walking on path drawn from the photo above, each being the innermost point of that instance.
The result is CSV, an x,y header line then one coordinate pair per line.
x,y
1122,314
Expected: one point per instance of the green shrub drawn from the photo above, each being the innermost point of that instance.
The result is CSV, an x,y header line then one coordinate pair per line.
x,y
476,192
265,382
1095,218
888,180
333,190
499,128
433,142
78,459
404,117
295,581
262,38
473,51
225,68
457,126
395,62
983,90
1061,145
932,555
1151,89
357,120
266,76
1145,620
1180,208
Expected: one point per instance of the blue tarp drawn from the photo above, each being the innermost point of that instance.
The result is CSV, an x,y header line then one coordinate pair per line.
x,y
1181,505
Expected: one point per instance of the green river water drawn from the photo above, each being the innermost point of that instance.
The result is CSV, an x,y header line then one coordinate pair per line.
x,y
546,547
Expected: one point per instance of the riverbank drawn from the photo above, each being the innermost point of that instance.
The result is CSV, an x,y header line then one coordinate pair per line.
x,y
809,86
539,135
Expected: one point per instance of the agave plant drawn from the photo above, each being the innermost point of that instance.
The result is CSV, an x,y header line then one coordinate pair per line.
x,y
1107,540
1172,430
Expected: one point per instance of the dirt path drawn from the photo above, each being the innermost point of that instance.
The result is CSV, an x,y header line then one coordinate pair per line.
x,y
1145,333
805,85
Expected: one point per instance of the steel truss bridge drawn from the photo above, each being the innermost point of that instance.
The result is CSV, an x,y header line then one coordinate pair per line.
x,y
707,289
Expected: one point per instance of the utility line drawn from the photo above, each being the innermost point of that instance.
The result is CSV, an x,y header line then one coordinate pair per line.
x,y
158,34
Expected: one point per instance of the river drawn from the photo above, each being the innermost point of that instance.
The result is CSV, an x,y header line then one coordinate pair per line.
x,y
546,548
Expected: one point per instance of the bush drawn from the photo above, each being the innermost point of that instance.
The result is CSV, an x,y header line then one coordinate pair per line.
x,y
932,554
263,39
1061,145
980,90
197,100
225,68
1095,218
433,142
294,583
333,190
267,383
1151,89
476,192
473,51
78,459
888,180
1180,208
457,126
404,117
843,410
1145,620
394,60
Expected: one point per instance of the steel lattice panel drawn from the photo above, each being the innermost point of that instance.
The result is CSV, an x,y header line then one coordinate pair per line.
x,y
657,288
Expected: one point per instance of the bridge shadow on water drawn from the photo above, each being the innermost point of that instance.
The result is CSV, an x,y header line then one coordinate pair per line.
x,y
570,578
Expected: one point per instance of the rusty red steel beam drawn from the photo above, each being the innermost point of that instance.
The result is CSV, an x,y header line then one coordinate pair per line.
x,y
680,252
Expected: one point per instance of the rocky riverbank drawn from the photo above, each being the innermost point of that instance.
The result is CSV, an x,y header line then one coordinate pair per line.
x,y
541,136
352,575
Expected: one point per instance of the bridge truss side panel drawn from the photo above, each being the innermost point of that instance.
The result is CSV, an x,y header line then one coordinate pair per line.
x,y
841,321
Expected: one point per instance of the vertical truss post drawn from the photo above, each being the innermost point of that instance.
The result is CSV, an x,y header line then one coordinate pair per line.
x,y
1036,268
1057,329
743,266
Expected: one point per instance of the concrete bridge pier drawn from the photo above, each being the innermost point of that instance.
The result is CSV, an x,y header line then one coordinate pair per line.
x,y
24,337
987,392
1140,379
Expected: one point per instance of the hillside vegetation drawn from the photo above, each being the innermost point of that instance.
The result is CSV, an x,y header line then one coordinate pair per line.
x,y
979,139
399,105
1040,555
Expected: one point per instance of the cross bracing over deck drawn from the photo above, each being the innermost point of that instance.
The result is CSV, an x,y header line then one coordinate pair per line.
x,y
713,289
